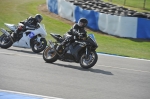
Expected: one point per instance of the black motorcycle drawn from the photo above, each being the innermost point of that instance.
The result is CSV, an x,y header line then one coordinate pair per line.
x,y
81,51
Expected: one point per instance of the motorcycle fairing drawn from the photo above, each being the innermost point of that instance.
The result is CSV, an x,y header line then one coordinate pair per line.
x,y
57,37
23,42
27,35
92,37
72,52
41,31
75,48
11,26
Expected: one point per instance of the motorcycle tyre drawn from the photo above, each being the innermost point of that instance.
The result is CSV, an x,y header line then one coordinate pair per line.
x,y
43,47
9,44
92,64
53,59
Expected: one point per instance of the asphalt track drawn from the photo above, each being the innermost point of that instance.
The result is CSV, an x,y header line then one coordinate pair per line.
x,y
25,75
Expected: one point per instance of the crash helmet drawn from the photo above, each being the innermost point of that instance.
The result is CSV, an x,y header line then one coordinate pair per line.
x,y
82,22
38,17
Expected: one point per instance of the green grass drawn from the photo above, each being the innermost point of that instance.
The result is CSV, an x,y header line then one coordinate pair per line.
x,y
133,4
13,11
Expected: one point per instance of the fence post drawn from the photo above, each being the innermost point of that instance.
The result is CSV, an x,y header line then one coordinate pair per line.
x,y
144,4
124,2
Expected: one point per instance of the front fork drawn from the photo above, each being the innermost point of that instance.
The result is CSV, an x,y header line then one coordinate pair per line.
x,y
36,40
86,52
39,39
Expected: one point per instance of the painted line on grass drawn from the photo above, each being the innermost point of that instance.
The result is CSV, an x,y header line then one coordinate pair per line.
x,y
7,94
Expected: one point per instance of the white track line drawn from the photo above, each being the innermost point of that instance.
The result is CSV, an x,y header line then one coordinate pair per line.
x,y
125,69
97,65
44,97
122,57
19,54
98,54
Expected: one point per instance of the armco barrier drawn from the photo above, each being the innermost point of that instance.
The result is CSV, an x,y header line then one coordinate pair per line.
x,y
117,25
131,27
143,28
66,10
52,6
90,15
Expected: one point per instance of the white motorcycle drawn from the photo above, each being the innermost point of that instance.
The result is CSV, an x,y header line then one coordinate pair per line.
x,y
28,38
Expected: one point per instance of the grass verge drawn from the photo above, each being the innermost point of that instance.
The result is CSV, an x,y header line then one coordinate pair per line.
x,y
133,4
15,10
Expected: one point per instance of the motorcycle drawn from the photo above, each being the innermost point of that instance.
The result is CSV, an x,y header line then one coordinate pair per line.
x,y
33,38
81,51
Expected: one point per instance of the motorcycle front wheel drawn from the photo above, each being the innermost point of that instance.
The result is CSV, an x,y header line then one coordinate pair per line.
x,y
5,41
89,61
49,55
38,47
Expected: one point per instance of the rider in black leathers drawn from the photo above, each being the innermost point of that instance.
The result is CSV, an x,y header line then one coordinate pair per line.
x,y
30,22
75,32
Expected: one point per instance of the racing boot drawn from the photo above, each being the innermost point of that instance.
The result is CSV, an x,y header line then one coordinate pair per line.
x,y
59,48
16,35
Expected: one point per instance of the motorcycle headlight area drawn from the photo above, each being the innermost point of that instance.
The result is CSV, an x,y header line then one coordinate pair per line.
x,y
82,44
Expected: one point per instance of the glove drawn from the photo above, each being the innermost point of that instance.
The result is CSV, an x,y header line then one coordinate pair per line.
x,y
80,36
75,33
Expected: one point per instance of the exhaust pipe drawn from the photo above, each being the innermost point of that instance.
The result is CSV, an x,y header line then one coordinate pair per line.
x,y
6,33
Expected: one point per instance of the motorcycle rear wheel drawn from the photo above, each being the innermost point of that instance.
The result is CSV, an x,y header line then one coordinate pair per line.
x,y
49,55
5,41
90,61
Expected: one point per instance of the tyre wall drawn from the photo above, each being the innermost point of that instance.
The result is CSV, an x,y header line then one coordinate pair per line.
x,y
132,27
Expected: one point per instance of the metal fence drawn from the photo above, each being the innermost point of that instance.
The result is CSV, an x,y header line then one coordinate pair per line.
x,y
144,4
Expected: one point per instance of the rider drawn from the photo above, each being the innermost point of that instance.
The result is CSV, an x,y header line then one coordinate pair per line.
x,y
74,32
30,22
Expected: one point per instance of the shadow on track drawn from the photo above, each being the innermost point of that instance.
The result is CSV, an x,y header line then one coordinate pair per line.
x,y
80,68
24,51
